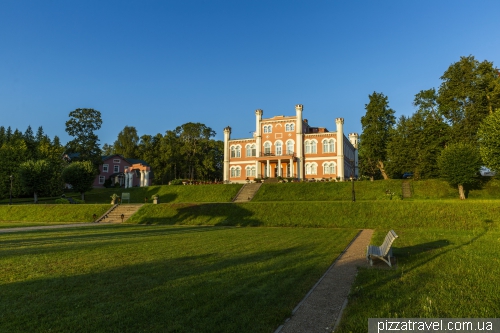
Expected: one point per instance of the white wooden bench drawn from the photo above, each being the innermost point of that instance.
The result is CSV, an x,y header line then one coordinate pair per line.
x,y
382,252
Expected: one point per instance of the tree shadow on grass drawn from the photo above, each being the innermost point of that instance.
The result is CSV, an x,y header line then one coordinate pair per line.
x,y
216,214
199,293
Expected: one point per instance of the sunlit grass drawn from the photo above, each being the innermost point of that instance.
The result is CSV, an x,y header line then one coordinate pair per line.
x,y
440,274
160,279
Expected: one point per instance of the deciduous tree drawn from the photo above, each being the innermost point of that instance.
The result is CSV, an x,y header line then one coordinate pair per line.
x,y
82,126
35,177
489,141
80,175
127,143
459,165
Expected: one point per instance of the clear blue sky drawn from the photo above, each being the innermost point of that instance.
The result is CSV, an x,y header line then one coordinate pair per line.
x,y
156,65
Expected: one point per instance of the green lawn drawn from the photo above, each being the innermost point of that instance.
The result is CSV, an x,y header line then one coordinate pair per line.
x,y
125,278
440,274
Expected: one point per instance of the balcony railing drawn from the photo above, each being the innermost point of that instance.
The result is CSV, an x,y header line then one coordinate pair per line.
x,y
273,153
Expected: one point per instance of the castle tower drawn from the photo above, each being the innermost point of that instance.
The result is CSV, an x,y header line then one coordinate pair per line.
x,y
227,137
340,148
258,138
354,139
299,141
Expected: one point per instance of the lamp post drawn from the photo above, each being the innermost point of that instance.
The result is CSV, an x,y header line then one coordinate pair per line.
x,y
10,200
353,193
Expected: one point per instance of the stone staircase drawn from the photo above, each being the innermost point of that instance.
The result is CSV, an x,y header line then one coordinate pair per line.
x,y
247,192
406,189
114,215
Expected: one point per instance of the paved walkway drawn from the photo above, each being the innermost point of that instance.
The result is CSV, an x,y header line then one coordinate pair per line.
x,y
321,308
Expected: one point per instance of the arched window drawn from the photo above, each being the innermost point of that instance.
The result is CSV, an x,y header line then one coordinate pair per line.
x,y
235,171
328,146
289,147
250,150
329,168
287,127
267,148
313,146
250,171
311,168
307,144
279,146
233,151
292,127
267,129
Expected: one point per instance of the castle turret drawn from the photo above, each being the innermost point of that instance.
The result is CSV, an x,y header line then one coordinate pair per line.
x,y
227,137
354,139
299,141
340,147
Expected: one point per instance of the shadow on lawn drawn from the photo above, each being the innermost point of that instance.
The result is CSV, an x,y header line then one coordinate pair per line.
x,y
217,214
200,293
90,237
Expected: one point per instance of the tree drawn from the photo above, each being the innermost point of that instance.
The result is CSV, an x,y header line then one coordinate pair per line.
x,y
489,141
82,125
35,177
108,150
127,143
376,126
417,141
80,175
459,165
470,91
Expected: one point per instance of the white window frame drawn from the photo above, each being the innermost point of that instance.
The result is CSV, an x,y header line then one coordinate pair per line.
x,y
116,168
314,145
278,147
250,171
102,179
116,160
105,168
290,143
235,171
267,146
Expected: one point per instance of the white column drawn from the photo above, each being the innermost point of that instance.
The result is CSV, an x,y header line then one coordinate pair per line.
x,y
131,179
268,169
227,137
279,168
258,134
299,140
340,147
146,178
142,179
291,167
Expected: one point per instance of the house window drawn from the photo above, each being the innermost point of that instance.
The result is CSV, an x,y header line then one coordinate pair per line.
x,y
267,148
116,160
102,179
105,168
329,146
313,147
278,148
329,168
250,150
116,168
268,129
289,127
311,168
250,171
289,147
235,151
235,171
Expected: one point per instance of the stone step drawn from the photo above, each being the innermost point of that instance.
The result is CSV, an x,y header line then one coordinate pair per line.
x,y
115,215
247,192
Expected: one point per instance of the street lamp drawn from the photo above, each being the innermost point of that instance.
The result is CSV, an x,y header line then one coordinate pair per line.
x,y
353,193
10,201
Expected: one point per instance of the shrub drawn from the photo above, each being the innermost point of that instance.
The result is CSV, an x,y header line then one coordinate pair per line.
x,y
62,201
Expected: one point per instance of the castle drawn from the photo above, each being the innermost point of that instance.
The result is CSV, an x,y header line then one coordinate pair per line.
x,y
288,147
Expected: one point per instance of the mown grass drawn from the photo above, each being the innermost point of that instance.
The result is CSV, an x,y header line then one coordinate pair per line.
x,y
452,214
170,194
366,190
24,215
440,274
160,279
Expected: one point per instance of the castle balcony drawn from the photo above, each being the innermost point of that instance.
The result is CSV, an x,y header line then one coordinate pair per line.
x,y
273,156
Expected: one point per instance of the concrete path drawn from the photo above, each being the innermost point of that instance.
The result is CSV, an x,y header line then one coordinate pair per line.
x,y
321,308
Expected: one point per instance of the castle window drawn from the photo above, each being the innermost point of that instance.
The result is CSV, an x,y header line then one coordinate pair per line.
x,y
268,129
279,150
250,150
311,168
289,147
328,146
235,151
235,171
267,148
329,168
290,127
250,171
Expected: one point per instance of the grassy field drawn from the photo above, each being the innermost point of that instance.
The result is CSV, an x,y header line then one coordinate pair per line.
x,y
160,279
440,274
451,214
31,215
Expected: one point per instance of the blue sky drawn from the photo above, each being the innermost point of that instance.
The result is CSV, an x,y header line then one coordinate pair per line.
x,y
156,65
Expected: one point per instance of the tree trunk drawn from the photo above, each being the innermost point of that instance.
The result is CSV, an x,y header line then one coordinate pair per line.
x,y
35,197
461,192
382,170
83,196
